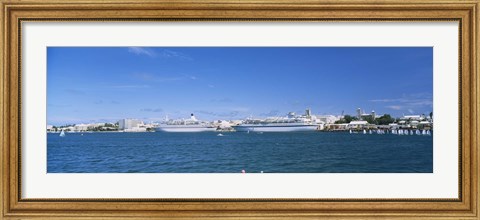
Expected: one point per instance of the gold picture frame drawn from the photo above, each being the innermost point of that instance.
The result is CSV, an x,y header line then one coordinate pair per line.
x,y
14,12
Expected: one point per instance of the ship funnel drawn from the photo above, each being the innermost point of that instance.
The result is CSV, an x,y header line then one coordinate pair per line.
x,y
192,117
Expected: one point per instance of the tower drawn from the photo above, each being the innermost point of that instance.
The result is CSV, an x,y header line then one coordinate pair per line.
x,y
308,113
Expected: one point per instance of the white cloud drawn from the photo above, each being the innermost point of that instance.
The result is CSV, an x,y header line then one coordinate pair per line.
x,y
408,102
166,54
394,107
151,110
149,77
142,51
174,54
128,86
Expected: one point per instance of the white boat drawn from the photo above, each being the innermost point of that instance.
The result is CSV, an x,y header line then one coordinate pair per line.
x,y
62,134
186,125
291,123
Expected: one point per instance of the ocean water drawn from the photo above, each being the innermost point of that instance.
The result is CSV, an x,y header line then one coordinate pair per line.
x,y
310,152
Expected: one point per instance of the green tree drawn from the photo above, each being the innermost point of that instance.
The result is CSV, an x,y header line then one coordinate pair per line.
x,y
385,119
348,118
369,119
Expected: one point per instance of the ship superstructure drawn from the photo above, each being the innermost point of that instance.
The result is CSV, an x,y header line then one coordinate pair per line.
x,y
185,125
290,123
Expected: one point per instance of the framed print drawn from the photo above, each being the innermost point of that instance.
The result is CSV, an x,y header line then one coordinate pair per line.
x,y
248,110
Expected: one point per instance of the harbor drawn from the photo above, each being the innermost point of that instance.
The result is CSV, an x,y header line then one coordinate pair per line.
x,y
293,143
292,122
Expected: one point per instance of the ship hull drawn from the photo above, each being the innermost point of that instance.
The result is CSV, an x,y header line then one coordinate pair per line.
x,y
275,128
184,129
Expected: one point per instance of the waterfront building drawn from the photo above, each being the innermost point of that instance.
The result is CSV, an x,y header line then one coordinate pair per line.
x,y
413,117
222,124
394,126
414,123
135,129
336,127
126,124
327,119
361,115
357,124
81,127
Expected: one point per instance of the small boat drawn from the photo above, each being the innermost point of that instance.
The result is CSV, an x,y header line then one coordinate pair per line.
x,y
364,132
350,131
62,134
220,134
370,131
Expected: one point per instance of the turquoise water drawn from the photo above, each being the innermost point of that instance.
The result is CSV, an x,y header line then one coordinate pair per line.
x,y
311,152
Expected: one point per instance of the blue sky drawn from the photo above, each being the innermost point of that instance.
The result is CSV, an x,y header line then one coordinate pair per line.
x,y
104,84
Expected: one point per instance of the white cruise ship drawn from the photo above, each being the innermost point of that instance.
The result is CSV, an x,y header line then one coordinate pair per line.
x,y
185,125
291,123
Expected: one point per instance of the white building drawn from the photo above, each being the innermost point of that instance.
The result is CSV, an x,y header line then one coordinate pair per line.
x,y
328,119
223,124
129,124
136,129
394,126
362,115
81,127
357,124
413,117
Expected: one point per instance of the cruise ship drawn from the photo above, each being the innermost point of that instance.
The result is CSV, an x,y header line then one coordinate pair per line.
x,y
185,125
290,123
